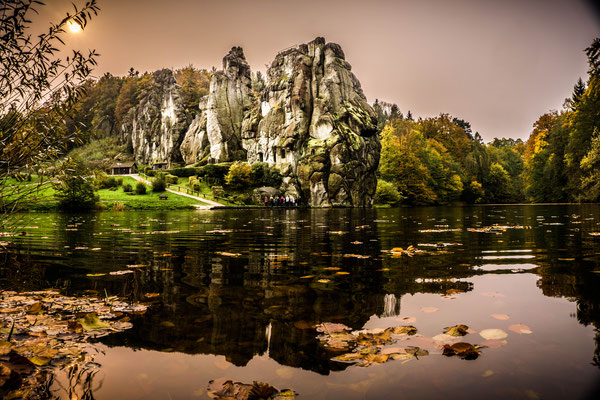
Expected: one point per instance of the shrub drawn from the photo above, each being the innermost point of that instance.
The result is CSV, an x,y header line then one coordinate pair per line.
x,y
127,188
119,181
158,183
263,175
75,193
104,181
214,173
239,175
386,193
140,188
150,172
171,179
196,186
118,207
183,172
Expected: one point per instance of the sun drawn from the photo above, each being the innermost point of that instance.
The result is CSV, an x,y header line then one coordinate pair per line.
x,y
74,27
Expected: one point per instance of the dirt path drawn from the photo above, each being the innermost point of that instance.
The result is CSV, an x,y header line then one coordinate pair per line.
x,y
205,203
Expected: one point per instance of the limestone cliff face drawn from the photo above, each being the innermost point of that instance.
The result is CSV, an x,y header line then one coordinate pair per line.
x,y
156,126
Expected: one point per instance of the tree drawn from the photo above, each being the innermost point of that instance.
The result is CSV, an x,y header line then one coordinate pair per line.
x,y
578,91
590,165
75,191
37,92
239,175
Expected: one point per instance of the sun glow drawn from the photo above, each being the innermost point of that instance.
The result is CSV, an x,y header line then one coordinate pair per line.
x,y
74,27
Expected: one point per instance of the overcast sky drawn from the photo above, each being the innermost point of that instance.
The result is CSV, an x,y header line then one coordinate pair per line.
x,y
498,64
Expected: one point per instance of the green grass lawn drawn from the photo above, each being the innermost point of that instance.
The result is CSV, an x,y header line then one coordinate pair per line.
x,y
205,191
41,197
148,201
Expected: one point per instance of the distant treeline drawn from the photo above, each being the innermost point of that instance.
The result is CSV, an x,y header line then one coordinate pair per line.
x,y
439,161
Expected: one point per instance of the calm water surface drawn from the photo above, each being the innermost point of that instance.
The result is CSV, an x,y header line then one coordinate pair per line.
x,y
235,300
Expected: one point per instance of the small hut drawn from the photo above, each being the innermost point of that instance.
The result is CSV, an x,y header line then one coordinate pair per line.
x,y
123,168
160,165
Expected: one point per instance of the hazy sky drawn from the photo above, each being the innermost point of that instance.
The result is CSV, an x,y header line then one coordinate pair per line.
x,y
498,64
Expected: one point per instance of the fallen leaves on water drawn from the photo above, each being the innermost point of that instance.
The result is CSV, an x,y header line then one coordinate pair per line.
x,y
463,350
323,281
95,275
456,330
501,317
123,272
520,329
47,330
151,295
493,334
439,230
227,254
226,389
307,276
367,347
410,251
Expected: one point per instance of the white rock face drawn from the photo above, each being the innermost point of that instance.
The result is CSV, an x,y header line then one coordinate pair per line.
x,y
155,128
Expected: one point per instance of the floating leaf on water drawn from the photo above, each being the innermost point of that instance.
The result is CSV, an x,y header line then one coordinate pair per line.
x,y
520,329
307,276
136,266
167,324
493,334
501,317
94,275
457,330
36,308
442,339
429,309
227,254
487,373
348,357
91,322
332,268
151,295
330,327
373,358
462,349
323,281
416,351
403,330
342,273
39,361
121,272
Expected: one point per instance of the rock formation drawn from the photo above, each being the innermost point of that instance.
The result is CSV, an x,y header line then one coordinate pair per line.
x,y
312,121
156,126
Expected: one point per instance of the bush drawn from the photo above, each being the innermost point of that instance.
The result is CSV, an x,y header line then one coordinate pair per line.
x,y
263,175
171,179
159,184
196,187
214,173
150,172
239,175
140,188
127,188
183,172
386,193
104,181
118,207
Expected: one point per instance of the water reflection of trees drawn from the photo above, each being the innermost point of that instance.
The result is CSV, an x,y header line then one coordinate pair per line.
x,y
258,303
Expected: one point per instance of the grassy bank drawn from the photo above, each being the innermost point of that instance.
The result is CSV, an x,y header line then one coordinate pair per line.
x,y
41,198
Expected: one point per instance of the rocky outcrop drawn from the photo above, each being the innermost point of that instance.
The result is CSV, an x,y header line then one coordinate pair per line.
x,y
314,123
311,120
155,128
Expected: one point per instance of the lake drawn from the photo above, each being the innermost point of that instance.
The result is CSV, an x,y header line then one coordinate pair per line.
x,y
239,294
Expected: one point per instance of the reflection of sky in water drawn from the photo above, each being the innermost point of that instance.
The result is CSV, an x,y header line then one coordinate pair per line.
x,y
242,290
